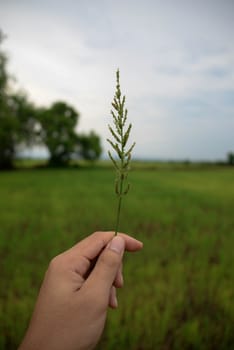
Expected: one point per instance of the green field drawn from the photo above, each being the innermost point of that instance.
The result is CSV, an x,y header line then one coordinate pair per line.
x,y
179,291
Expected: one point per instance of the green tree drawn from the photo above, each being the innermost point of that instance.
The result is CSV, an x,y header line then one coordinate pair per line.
x,y
3,73
230,158
17,121
58,132
16,116
8,124
89,146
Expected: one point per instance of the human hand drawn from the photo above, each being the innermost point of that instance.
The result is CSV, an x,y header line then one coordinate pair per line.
x,y
79,284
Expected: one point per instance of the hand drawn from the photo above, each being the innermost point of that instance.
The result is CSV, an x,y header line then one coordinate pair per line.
x,y
79,284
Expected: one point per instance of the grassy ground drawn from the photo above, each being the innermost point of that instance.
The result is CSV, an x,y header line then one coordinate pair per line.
x,y
178,291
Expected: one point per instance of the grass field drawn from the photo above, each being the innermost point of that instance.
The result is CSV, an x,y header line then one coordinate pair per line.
x,y
179,291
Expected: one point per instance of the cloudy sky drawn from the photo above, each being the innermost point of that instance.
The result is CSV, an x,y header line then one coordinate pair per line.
x,y
176,60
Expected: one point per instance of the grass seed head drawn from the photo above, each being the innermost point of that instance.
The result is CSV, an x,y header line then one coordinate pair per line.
x,y
120,133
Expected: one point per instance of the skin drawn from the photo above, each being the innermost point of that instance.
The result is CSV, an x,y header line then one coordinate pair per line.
x,y
78,287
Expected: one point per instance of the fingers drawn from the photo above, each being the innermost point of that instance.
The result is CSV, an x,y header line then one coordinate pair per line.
x,y
84,253
131,244
107,266
118,282
113,302
91,246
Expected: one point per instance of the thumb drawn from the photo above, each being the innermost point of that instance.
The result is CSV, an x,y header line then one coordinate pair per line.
x,y
106,268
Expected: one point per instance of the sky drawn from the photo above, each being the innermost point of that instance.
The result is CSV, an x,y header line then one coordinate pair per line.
x,y
176,61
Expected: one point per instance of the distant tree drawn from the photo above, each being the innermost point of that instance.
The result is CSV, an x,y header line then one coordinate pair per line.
x,y
89,146
230,158
16,116
58,132
6,123
21,124
3,73
17,121
8,131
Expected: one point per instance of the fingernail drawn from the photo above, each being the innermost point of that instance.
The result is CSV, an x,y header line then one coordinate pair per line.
x,y
117,244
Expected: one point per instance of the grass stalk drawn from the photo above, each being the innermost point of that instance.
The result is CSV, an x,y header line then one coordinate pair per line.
x,y
120,134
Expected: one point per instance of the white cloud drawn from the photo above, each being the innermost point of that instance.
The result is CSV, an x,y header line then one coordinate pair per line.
x,y
176,61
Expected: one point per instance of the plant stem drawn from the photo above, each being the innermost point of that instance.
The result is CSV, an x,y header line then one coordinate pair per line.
x,y
121,179
118,215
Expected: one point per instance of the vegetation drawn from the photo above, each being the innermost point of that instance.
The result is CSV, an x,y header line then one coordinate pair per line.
x,y
178,291
57,131
230,158
89,146
120,134
16,122
22,123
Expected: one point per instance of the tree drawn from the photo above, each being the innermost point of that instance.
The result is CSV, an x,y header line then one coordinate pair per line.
x,y
8,132
17,122
230,158
6,124
58,131
16,116
89,146
3,73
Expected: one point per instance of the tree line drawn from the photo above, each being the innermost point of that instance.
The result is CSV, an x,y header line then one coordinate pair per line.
x,y
22,124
